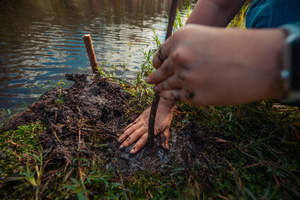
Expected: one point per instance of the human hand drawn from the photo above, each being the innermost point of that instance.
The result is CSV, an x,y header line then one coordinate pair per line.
x,y
138,130
214,66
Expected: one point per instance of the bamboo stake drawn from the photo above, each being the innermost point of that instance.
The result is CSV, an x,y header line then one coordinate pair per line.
x,y
91,53
172,16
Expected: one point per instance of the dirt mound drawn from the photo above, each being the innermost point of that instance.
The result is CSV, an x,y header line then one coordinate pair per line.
x,y
87,119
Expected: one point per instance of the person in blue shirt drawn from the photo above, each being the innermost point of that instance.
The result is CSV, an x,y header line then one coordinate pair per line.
x,y
204,63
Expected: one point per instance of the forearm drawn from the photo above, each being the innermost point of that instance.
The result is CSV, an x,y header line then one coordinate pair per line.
x,y
271,56
214,12
259,58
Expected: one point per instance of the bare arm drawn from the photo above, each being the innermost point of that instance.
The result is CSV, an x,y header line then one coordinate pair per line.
x,y
214,12
217,66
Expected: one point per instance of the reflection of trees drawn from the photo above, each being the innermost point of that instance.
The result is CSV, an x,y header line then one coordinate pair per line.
x,y
17,15
83,11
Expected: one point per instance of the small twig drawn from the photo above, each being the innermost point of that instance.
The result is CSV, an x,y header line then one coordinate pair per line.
x,y
82,182
151,125
152,119
237,178
252,165
67,176
91,53
15,144
276,180
220,140
222,197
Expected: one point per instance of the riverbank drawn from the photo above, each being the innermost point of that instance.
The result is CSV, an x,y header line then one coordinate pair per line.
x,y
65,146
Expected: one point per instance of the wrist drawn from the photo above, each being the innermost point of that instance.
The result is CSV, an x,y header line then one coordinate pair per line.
x,y
291,72
279,88
266,49
260,54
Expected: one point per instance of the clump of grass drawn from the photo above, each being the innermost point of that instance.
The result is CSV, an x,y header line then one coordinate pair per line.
x,y
21,159
60,100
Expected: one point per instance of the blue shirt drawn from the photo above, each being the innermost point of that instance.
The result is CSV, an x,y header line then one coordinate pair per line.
x,y
272,13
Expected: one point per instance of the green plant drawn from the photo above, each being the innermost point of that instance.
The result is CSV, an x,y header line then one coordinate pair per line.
x,y
78,188
60,100
35,177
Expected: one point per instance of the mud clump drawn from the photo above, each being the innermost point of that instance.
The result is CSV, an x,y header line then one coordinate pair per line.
x,y
87,118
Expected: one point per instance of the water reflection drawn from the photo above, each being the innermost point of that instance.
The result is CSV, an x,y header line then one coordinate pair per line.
x,y
41,40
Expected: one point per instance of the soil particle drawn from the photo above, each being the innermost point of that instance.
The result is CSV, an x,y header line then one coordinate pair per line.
x,y
92,114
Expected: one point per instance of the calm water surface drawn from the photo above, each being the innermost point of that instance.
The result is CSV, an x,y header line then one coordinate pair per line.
x,y
40,41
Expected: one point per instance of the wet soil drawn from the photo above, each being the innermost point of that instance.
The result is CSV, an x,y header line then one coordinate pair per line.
x,y
87,119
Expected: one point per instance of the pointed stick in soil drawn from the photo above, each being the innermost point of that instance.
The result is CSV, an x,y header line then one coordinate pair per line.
x,y
172,16
91,53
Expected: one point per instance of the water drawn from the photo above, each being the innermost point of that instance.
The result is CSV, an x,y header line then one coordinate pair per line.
x,y
40,41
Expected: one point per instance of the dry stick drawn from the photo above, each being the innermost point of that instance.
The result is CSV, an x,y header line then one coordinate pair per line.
x,y
172,15
91,53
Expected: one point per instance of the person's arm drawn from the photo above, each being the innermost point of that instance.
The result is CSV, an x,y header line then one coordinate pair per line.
x,y
214,12
213,66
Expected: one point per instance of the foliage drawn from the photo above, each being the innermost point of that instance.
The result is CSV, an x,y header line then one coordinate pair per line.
x,y
240,18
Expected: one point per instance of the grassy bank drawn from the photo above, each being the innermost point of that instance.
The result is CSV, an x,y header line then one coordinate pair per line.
x,y
262,162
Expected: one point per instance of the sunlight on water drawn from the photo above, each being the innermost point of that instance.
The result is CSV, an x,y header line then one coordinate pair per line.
x,y
41,41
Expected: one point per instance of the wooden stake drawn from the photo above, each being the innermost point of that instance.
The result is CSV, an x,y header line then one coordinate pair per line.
x,y
91,53
151,123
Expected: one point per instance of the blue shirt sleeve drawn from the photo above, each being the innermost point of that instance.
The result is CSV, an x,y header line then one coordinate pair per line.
x,y
259,15
272,13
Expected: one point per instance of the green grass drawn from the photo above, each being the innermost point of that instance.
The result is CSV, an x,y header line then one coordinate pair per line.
x,y
264,161
21,160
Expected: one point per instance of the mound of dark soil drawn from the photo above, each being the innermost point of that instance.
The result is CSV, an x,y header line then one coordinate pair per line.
x,y
87,119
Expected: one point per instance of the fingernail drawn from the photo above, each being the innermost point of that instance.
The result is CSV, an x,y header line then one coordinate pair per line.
x,y
121,146
132,151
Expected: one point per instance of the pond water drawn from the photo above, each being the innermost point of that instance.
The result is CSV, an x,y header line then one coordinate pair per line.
x,y
42,40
